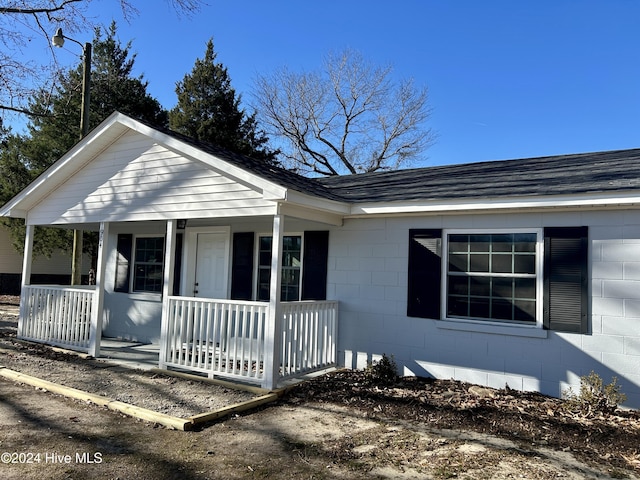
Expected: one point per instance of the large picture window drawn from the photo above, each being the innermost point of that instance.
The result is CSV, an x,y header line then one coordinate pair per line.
x,y
493,276
148,264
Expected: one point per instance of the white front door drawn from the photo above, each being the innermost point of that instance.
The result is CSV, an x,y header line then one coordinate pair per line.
x,y
211,265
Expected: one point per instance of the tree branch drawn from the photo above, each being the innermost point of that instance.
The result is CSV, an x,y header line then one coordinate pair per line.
x,y
31,11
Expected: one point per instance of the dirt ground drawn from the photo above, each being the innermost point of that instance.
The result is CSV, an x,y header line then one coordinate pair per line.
x,y
340,425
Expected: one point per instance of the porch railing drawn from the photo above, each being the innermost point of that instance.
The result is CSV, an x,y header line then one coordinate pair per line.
x,y
309,337
216,337
227,338
56,315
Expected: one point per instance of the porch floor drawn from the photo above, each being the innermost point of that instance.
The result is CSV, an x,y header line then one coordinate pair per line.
x,y
144,356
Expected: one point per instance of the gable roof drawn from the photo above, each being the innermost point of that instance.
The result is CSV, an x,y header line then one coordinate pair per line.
x,y
585,173
274,183
278,175
495,184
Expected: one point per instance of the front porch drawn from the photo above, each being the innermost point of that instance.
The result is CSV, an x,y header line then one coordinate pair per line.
x,y
219,338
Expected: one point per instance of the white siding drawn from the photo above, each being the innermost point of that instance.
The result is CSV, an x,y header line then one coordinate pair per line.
x,y
368,275
136,179
11,261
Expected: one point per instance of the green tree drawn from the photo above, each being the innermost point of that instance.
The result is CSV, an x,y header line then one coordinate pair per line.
x,y
28,26
209,110
112,88
52,133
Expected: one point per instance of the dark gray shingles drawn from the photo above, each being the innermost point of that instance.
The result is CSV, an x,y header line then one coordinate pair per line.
x,y
558,175
610,171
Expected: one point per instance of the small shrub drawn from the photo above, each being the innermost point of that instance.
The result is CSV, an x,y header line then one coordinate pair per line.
x,y
595,397
382,372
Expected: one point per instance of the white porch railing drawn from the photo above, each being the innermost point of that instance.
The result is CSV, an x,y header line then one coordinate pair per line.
x,y
227,338
56,315
216,337
309,336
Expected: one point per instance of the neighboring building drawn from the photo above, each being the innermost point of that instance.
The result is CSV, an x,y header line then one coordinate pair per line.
x,y
54,270
523,273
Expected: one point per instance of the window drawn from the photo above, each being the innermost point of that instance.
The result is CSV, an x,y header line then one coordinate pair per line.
x,y
291,267
535,277
308,282
493,276
148,263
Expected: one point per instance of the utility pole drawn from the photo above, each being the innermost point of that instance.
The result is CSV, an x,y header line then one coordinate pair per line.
x,y
58,41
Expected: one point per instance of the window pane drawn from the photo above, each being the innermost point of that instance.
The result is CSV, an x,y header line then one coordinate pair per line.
x,y
524,264
524,310
502,287
458,262
480,308
458,307
479,263
264,280
501,263
458,243
265,243
480,286
479,243
525,288
501,243
525,242
501,309
459,285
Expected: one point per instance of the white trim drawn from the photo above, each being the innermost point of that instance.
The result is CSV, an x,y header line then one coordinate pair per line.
x,y
167,287
493,328
95,332
466,323
273,327
463,205
27,262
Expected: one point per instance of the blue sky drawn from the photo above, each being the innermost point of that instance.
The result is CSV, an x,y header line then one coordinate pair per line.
x,y
506,79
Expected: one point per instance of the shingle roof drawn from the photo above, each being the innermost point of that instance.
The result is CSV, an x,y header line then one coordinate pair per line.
x,y
555,175
581,173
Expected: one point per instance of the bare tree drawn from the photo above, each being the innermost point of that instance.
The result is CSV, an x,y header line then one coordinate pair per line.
x,y
349,117
25,24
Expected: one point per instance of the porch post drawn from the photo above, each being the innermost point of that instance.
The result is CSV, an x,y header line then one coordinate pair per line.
x,y
26,276
273,327
95,331
167,288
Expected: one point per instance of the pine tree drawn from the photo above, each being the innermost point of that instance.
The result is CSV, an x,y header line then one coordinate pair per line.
x,y
209,110
53,133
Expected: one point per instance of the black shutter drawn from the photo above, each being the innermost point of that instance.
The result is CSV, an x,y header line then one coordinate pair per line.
x,y
242,266
177,268
425,270
125,245
565,279
314,271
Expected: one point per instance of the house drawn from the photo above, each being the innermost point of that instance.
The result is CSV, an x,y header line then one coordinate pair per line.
x,y
523,273
56,269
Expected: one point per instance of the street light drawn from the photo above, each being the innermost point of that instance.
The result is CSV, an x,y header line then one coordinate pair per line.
x,y
58,41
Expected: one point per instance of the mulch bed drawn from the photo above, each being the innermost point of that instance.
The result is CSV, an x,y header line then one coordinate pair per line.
x,y
529,419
